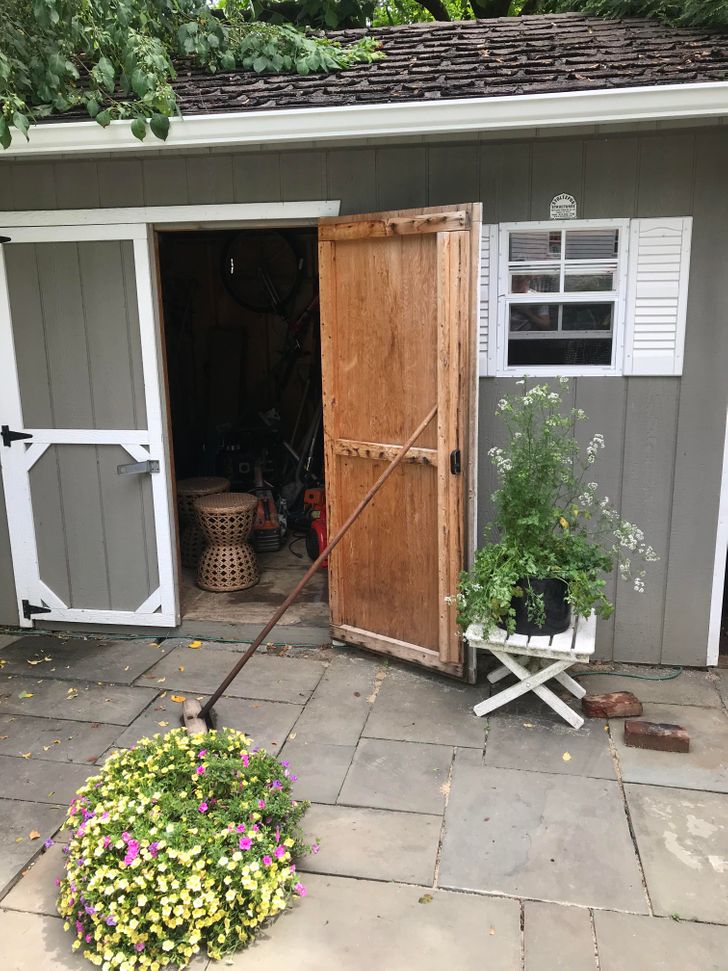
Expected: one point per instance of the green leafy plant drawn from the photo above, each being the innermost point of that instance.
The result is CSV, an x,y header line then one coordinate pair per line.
x,y
550,522
184,842
117,59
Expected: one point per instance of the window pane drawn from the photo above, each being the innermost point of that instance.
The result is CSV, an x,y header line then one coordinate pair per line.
x,y
591,244
528,247
545,282
533,316
600,280
587,316
547,353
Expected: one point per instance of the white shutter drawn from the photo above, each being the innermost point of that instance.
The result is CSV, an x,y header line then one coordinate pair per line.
x,y
488,307
657,295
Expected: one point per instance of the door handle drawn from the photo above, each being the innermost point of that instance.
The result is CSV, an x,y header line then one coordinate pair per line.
x,y
455,462
138,468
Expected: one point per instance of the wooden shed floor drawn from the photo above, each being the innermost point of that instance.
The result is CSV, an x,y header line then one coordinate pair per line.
x,y
280,572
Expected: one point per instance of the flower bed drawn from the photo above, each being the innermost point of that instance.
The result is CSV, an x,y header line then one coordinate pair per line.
x,y
181,843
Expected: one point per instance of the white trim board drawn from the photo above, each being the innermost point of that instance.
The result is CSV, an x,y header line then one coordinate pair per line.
x,y
719,564
281,126
130,223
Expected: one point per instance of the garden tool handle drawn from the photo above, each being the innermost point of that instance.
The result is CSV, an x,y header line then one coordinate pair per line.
x,y
293,596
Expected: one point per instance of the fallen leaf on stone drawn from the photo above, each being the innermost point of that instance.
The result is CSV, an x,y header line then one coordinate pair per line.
x,y
39,660
492,932
18,839
163,724
181,667
255,706
25,694
292,736
566,757
528,725
72,692
161,680
194,645
34,834
426,898
26,755
445,789
178,698
126,668
3,737
52,793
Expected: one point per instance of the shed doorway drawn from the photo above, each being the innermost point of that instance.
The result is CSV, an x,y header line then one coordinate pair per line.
x,y
243,358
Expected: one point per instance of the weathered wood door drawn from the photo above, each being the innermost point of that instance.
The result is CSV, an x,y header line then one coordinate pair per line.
x,y
398,323
83,453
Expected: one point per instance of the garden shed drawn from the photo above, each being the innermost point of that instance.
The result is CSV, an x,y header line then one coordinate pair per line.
x,y
413,207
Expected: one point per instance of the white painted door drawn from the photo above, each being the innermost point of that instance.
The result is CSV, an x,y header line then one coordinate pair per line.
x,y
80,400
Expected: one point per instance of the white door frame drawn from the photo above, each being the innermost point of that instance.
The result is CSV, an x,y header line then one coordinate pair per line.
x,y
139,225
719,564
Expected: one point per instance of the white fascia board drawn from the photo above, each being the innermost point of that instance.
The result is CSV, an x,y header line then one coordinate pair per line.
x,y
653,103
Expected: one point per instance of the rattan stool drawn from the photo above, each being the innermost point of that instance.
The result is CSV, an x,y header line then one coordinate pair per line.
x,y
228,561
191,541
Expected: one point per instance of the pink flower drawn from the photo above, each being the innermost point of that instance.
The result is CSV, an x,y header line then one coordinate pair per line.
x,y
132,852
139,946
202,808
315,848
202,753
200,770
245,759
261,804
245,843
267,860
240,827
107,842
284,763
279,852
300,890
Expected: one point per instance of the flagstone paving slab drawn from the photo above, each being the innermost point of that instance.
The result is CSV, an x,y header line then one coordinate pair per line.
x,y
705,766
55,739
722,685
75,658
683,843
359,925
320,768
39,941
340,705
405,776
268,723
265,677
658,944
689,688
17,820
38,781
558,938
372,843
82,702
413,707
539,835
543,744
36,892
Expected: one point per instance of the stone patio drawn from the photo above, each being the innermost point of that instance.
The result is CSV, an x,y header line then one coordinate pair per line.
x,y
516,843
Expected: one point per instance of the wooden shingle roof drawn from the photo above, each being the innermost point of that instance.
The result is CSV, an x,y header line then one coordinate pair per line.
x,y
478,59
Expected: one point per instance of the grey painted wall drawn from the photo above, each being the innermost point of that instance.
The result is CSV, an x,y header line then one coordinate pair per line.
x,y
664,435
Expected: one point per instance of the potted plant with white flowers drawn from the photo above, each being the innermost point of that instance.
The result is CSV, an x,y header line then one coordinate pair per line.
x,y
554,540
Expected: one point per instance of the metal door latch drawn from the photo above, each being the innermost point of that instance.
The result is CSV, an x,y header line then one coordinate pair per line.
x,y
455,462
138,468
9,436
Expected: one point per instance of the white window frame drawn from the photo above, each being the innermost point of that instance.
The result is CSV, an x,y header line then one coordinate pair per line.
x,y
620,302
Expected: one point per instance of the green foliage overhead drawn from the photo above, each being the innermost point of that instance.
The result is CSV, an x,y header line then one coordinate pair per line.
x,y
115,58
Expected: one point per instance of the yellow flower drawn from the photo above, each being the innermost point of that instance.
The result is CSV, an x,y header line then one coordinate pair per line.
x,y
564,522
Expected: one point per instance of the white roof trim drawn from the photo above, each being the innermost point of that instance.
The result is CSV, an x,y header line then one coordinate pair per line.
x,y
652,103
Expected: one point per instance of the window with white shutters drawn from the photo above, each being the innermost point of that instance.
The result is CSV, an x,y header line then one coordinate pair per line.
x,y
584,297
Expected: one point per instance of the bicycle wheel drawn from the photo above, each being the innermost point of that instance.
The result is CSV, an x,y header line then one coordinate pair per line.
x,y
260,269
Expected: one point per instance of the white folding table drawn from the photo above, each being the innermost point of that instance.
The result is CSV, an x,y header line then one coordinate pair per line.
x,y
536,660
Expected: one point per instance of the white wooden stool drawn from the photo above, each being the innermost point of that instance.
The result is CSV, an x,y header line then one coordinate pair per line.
x,y
528,657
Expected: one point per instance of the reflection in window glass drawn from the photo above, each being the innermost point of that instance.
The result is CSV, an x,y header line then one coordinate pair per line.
x,y
601,280
528,247
545,282
549,352
586,316
591,244
533,316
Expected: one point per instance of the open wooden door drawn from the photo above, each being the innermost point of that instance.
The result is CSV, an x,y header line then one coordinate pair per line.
x,y
398,326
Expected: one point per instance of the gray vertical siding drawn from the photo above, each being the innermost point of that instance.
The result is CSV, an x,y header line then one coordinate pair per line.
x,y
664,435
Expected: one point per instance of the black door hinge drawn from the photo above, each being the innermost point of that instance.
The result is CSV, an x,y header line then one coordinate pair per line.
x,y
29,609
455,465
9,437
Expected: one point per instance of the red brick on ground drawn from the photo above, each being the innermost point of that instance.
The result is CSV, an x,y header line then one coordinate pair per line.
x,y
657,736
611,704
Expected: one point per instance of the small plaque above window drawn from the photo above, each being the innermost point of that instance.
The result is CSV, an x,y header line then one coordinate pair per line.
x,y
563,206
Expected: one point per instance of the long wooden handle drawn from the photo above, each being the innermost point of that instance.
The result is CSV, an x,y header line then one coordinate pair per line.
x,y
293,595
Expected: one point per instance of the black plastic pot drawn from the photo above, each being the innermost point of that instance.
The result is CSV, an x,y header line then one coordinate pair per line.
x,y
558,610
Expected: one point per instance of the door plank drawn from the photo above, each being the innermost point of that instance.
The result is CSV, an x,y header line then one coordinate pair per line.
x,y
376,450
440,222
